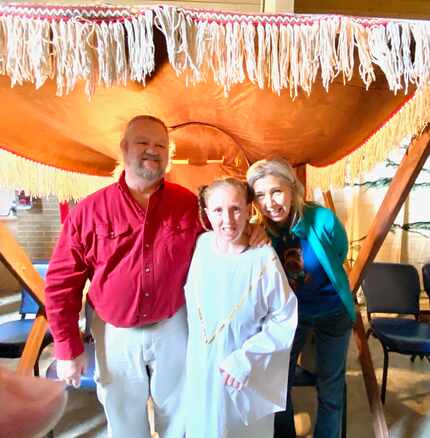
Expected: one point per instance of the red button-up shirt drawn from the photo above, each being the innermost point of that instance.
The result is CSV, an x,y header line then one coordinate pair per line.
x,y
137,260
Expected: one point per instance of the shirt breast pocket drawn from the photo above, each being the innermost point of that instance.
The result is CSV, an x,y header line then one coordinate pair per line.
x,y
179,236
112,241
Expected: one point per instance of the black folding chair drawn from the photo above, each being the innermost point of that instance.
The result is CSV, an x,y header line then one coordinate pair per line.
x,y
14,334
395,288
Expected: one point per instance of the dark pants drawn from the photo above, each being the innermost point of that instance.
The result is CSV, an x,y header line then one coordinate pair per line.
x,y
332,333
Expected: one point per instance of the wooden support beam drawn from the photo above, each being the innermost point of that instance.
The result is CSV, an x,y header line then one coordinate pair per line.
x,y
301,175
372,389
403,180
328,200
399,189
379,423
19,264
329,203
32,346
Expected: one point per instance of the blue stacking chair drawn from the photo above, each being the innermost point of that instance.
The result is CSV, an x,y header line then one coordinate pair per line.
x,y
395,288
14,334
87,379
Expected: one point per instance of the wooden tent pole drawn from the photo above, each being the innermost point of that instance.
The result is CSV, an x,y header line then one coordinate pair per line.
x,y
329,203
379,423
406,174
31,350
380,427
19,264
328,200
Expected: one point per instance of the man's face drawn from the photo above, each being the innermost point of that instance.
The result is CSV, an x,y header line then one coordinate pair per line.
x,y
146,150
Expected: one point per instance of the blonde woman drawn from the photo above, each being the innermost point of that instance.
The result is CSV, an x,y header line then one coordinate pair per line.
x,y
242,316
312,245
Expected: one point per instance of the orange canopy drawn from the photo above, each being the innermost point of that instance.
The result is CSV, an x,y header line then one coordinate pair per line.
x,y
319,90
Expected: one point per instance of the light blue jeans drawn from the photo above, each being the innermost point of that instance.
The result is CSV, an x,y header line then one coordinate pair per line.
x,y
332,332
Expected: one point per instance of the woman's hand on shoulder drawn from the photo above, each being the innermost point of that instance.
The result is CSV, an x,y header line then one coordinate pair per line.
x,y
257,236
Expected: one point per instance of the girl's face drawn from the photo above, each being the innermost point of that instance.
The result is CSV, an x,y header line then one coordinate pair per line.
x,y
227,212
273,198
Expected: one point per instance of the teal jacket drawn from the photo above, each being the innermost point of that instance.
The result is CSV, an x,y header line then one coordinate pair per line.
x,y
327,237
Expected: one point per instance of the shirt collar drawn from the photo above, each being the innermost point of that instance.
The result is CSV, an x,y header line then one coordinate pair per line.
x,y
124,187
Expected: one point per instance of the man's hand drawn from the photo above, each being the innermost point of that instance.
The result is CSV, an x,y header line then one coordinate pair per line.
x,y
257,235
71,370
229,380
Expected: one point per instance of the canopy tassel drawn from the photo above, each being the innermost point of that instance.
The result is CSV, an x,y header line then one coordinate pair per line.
x,y
38,179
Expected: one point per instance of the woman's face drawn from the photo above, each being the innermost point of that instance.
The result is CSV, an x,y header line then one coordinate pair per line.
x,y
227,212
273,198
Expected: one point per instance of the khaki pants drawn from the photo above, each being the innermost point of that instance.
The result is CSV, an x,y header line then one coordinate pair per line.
x,y
135,363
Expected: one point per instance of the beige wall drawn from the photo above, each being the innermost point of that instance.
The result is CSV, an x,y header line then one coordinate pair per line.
x,y
278,6
36,230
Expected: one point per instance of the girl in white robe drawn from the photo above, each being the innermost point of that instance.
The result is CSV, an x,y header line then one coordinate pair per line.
x,y
242,317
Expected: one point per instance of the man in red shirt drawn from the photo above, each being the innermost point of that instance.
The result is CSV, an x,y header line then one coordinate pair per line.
x,y
134,241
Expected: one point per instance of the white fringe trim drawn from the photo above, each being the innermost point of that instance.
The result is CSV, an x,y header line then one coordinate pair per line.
x,y
411,119
42,180
110,46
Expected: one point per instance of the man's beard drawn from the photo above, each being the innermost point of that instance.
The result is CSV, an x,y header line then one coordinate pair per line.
x,y
148,174
141,171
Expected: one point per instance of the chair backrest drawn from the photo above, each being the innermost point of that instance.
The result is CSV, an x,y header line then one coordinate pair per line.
x,y
29,305
426,278
392,288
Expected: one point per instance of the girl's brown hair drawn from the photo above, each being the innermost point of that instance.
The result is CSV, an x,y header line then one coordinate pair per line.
x,y
205,191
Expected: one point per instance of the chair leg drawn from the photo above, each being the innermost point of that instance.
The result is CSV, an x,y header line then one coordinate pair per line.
x,y
384,376
413,358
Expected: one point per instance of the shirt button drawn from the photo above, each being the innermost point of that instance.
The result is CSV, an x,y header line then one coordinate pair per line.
x,y
145,315
147,245
111,234
146,294
147,269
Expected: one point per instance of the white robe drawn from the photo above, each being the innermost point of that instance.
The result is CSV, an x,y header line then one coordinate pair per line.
x,y
253,346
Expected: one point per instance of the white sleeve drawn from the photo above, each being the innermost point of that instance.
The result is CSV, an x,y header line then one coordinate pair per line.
x,y
276,335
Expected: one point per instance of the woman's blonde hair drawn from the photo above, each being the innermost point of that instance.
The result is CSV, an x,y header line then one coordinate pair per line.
x,y
282,169
205,191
